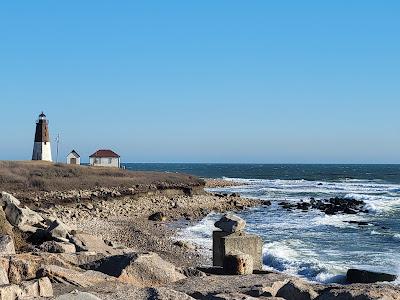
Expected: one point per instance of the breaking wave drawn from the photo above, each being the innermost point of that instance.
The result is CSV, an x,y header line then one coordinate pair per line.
x,y
311,244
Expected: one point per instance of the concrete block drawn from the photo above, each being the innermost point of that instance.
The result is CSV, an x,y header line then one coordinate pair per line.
x,y
238,264
238,242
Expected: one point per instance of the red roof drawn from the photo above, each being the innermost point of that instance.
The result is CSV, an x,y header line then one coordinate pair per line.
x,y
104,153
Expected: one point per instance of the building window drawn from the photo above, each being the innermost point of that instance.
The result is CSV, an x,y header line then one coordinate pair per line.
x,y
110,160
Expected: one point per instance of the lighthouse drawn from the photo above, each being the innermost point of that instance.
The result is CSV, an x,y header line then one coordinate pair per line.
x,y
41,147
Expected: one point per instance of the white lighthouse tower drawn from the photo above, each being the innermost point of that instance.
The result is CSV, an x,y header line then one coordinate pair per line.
x,y
41,147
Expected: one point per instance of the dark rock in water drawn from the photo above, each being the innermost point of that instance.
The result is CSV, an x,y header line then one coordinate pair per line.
x,y
330,206
320,183
363,276
266,203
303,205
287,205
359,223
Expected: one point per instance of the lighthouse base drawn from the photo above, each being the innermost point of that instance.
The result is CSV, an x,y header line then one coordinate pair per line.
x,y
42,151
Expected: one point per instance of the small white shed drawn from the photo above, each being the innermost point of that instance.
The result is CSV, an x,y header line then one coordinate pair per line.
x,y
105,158
73,158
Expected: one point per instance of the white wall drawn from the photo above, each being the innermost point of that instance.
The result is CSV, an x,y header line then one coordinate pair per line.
x,y
105,162
78,159
42,151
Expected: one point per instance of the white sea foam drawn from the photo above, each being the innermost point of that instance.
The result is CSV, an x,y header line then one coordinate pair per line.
x,y
339,221
295,243
200,234
374,232
295,258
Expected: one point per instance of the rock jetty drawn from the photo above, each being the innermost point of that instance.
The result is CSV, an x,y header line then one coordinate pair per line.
x,y
330,206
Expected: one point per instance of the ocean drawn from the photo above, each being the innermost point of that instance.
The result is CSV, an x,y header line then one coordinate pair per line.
x,y
309,244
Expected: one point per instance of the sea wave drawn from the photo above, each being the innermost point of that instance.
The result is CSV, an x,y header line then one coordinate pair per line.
x,y
284,256
339,221
200,233
303,243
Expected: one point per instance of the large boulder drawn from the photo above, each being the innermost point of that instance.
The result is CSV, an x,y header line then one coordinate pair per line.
x,y
6,245
231,223
10,292
5,226
138,268
34,289
59,231
25,266
360,292
296,290
77,295
74,277
80,258
3,276
88,242
363,276
23,218
37,288
57,247
163,293
231,296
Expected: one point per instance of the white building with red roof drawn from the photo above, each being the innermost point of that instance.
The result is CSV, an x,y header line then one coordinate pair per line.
x,y
105,158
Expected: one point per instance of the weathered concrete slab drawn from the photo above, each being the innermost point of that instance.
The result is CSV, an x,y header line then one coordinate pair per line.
x,y
225,243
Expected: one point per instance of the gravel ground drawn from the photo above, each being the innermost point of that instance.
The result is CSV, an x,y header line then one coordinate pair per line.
x,y
125,221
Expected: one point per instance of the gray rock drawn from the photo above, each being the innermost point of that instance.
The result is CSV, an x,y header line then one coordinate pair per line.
x,y
23,267
37,288
74,277
363,276
77,295
81,258
57,247
145,269
6,245
23,218
88,242
27,290
296,290
59,231
10,292
3,276
231,296
360,292
192,272
163,293
8,199
231,223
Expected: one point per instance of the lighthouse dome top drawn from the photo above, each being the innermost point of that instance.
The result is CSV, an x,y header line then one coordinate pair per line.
x,y
42,116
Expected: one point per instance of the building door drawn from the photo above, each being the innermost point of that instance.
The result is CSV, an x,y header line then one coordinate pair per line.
x,y
73,161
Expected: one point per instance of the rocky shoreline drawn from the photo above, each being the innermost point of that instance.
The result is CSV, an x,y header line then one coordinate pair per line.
x,y
121,246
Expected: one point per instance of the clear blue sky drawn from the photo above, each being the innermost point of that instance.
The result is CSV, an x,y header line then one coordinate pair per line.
x,y
204,81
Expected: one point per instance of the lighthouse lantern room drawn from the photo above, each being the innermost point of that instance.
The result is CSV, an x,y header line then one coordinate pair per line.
x,y
41,147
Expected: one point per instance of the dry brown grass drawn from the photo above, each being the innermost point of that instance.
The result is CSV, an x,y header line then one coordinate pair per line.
x,y
31,176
